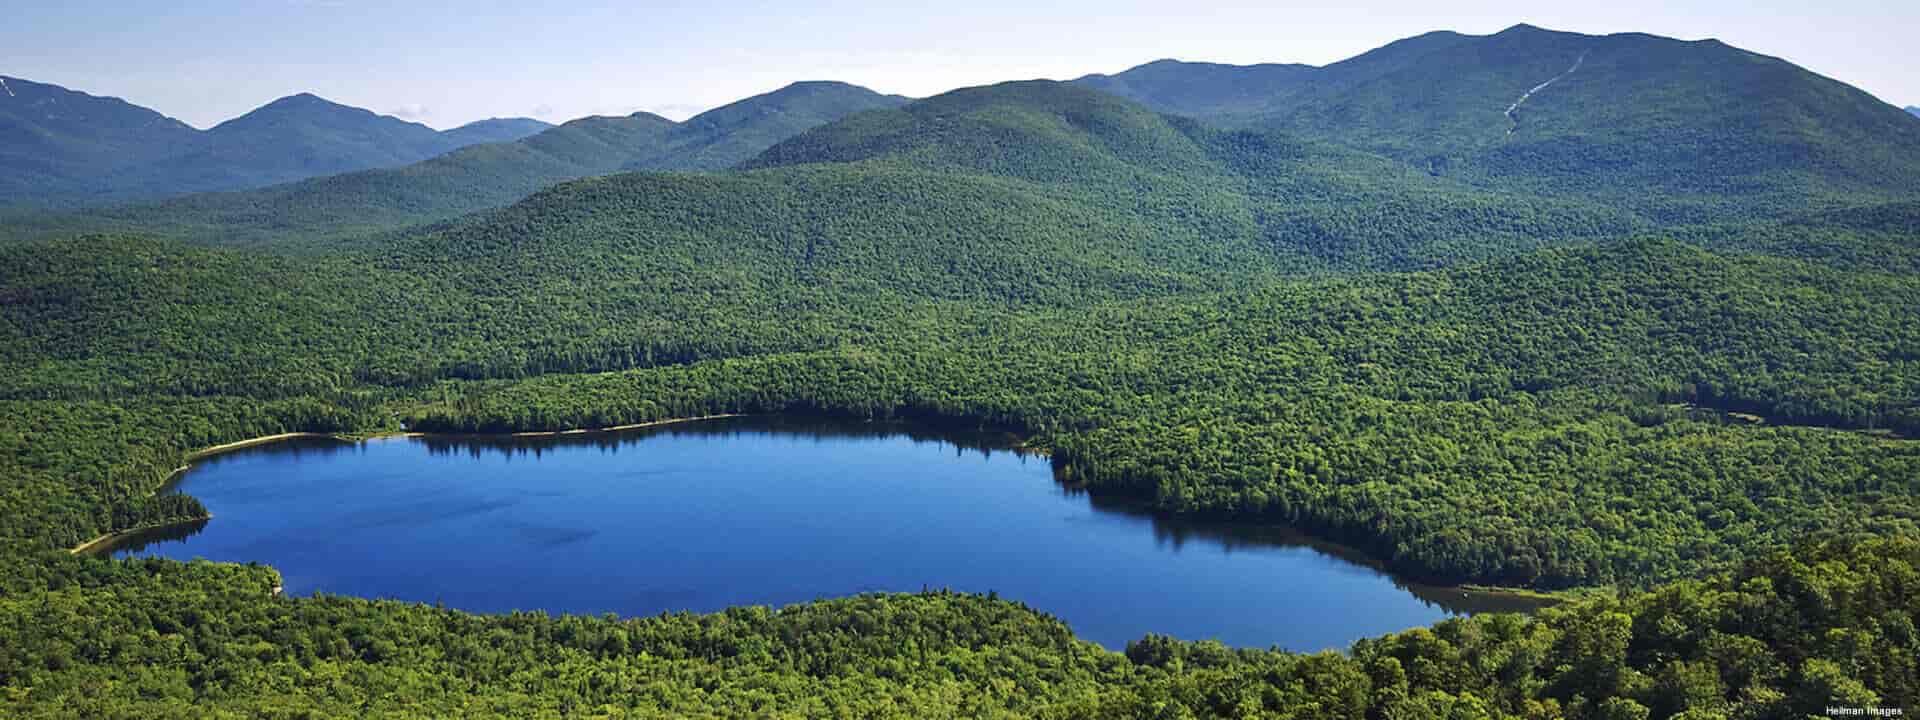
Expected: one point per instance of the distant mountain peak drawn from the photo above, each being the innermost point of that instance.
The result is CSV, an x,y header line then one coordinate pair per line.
x,y
305,99
1524,29
819,85
306,105
809,88
496,129
484,121
1915,109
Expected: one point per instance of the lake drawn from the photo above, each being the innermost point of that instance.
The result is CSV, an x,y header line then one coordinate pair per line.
x,y
700,516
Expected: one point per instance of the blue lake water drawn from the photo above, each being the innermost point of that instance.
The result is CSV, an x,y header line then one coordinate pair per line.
x,y
701,516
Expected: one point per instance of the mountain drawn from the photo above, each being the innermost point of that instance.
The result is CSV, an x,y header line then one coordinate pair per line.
x,y
1307,203
730,134
295,137
1036,130
1915,110
58,142
481,176
494,130
66,148
1232,95
1700,122
1204,90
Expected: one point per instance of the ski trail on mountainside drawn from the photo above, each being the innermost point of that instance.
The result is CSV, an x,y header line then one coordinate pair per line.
x,y
3,86
1514,123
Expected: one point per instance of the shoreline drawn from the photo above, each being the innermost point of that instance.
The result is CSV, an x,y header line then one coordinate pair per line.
x,y
561,433
105,543
212,450
1294,537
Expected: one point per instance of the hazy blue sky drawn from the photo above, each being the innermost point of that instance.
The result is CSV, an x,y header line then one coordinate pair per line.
x,y
445,63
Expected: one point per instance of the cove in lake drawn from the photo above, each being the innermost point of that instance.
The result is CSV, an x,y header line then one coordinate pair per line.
x,y
702,516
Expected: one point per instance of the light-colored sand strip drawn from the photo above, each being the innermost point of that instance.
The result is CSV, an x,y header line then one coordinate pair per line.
x,y
208,452
108,539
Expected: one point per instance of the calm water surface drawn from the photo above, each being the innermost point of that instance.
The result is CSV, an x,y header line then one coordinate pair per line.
x,y
705,515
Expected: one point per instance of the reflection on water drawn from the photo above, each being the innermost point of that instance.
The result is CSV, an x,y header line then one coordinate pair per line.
x,y
136,542
1175,532
984,442
700,516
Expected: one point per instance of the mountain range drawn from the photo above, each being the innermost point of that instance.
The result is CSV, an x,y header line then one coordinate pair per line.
x,y
62,147
1719,133
481,176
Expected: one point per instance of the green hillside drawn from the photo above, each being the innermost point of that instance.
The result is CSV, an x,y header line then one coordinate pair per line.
x,y
1311,205
1716,130
1035,130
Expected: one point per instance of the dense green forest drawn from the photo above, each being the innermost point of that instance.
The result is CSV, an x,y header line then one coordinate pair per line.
x,y
1781,636
1697,408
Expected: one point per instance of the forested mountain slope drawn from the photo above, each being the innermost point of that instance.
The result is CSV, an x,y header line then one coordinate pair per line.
x,y
1566,113
476,178
1311,205
57,142
295,137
